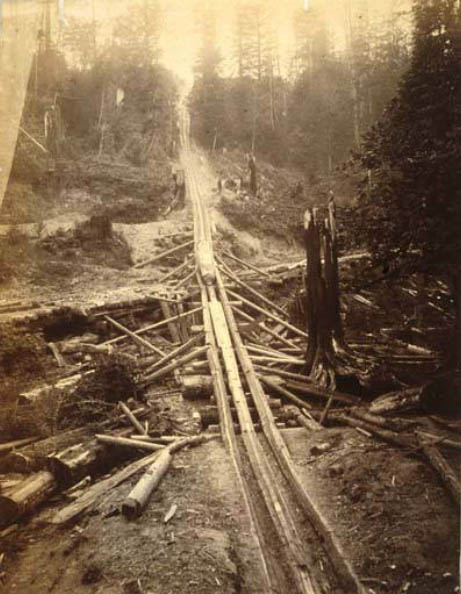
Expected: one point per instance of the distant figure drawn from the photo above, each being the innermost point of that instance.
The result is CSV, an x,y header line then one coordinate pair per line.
x,y
220,186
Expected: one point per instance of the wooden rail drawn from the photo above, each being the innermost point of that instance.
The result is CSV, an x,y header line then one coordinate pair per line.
x,y
231,369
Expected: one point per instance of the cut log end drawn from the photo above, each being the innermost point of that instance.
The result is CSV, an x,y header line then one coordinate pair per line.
x,y
131,508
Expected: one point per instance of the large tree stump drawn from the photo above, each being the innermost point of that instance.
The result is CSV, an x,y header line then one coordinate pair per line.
x,y
327,357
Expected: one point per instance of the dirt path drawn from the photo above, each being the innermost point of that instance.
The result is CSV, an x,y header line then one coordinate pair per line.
x,y
206,547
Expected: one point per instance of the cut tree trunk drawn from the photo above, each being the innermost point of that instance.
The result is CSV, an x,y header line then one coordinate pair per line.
x,y
98,490
443,469
139,496
26,496
195,387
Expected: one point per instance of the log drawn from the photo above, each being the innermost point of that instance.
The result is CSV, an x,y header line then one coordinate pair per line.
x,y
133,420
303,421
439,440
154,326
183,282
307,388
34,457
175,353
26,496
173,250
131,443
69,466
284,392
19,443
209,415
138,497
255,293
247,264
268,314
57,355
172,326
98,490
401,401
195,387
137,339
384,434
385,423
265,328
176,270
175,365
443,469
281,360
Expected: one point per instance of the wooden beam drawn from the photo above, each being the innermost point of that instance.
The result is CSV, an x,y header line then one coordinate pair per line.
x,y
164,254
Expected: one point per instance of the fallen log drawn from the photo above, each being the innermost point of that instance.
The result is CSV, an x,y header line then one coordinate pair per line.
x,y
183,282
130,416
195,387
303,421
173,250
280,360
267,302
96,491
268,314
175,365
442,468
264,328
401,441
18,443
386,423
176,270
137,339
33,457
131,443
176,353
401,401
439,440
69,466
154,326
139,495
284,392
26,496
307,388
247,265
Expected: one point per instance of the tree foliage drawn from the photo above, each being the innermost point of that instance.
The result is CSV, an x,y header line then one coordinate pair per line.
x,y
411,210
302,115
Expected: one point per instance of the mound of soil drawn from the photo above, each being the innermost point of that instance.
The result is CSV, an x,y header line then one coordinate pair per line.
x,y
23,358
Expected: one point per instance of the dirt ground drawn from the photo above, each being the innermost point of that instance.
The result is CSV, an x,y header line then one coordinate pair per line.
x,y
205,547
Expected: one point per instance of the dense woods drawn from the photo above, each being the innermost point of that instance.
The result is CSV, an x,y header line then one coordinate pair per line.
x,y
308,110
112,97
410,201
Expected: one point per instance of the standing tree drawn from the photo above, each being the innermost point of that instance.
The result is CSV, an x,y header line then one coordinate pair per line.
x,y
207,97
412,209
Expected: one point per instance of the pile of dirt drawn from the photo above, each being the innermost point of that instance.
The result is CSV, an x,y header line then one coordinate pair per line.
x,y
23,358
92,242
112,378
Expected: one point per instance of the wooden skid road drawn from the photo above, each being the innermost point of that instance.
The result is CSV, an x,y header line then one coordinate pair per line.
x,y
231,368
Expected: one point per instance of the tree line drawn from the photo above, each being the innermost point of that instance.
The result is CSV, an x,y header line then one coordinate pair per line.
x,y
309,110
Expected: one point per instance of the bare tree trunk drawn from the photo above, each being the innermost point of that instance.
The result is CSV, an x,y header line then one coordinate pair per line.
x,y
338,331
312,243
